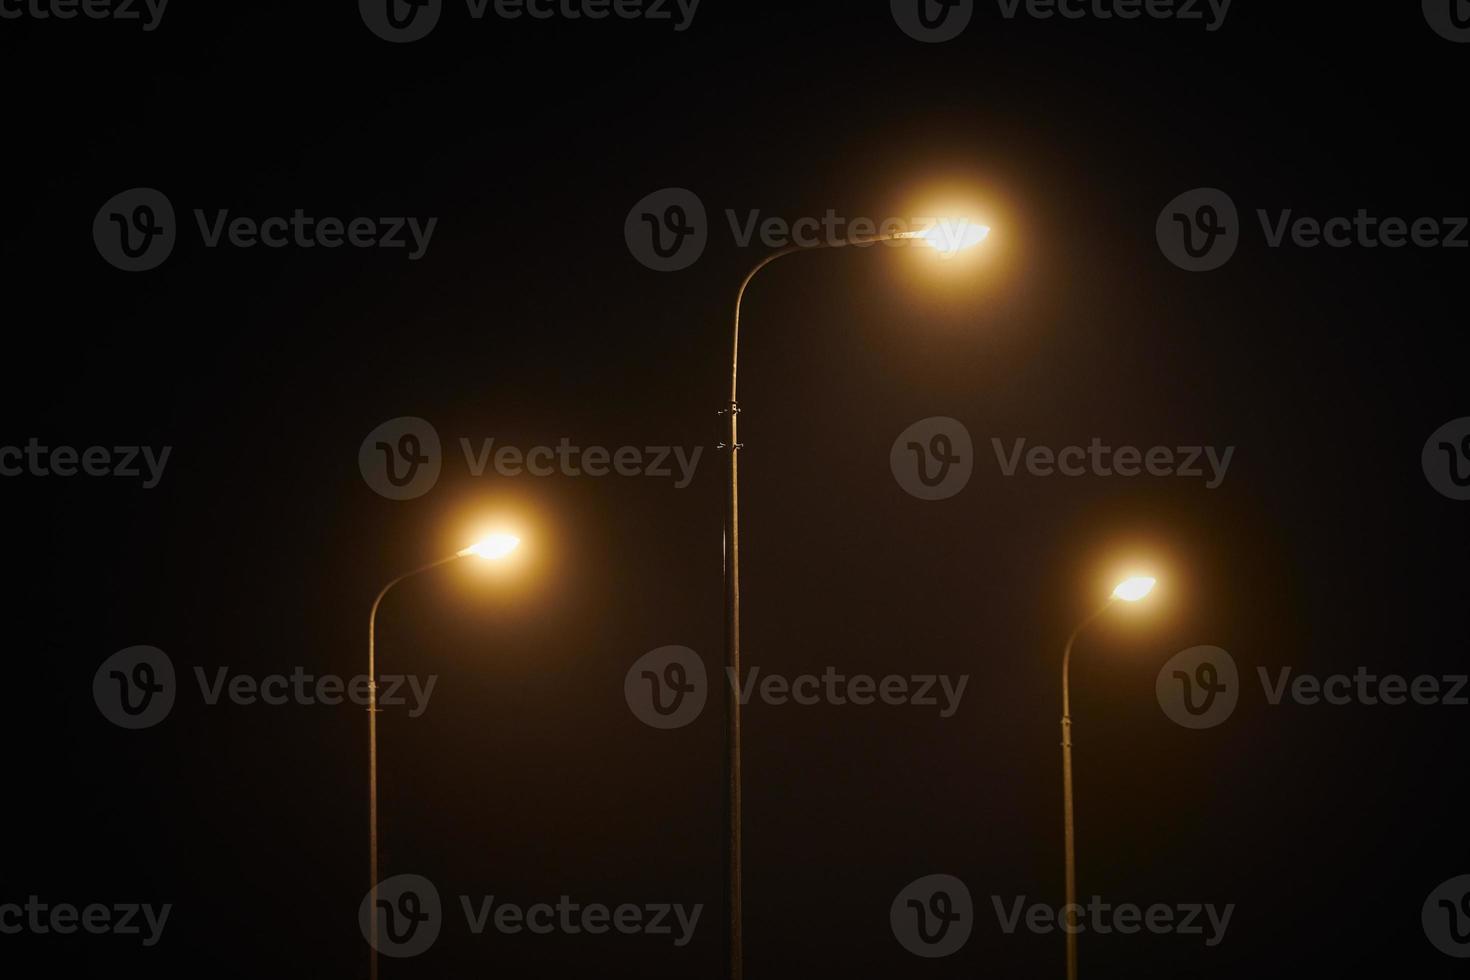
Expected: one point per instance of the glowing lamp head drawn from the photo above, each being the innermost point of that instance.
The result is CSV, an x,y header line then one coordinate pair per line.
x,y
950,237
1133,589
493,548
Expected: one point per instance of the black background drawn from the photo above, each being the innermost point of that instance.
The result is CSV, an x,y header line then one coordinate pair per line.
x,y
529,321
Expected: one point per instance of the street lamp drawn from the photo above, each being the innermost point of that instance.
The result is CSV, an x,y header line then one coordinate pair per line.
x,y
492,548
1128,590
947,237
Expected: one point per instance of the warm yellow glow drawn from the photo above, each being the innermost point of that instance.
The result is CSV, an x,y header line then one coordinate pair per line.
x,y
950,236
494,547
1133,589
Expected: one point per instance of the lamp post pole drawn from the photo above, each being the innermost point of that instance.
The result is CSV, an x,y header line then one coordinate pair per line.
x,y
373,759
732,445
1071,854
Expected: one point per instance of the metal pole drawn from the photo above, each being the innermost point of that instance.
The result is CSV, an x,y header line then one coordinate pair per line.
x,y
731,551
1070,909
372,673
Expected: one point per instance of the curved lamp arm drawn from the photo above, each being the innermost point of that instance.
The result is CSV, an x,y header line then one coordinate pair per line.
x,y
790,250
373,619
1067,656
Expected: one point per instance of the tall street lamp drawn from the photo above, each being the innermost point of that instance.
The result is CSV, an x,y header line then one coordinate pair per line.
x,y
948,238
493,548
1129,590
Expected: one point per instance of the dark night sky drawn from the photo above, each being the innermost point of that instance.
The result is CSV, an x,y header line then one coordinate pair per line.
x,y
528,320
